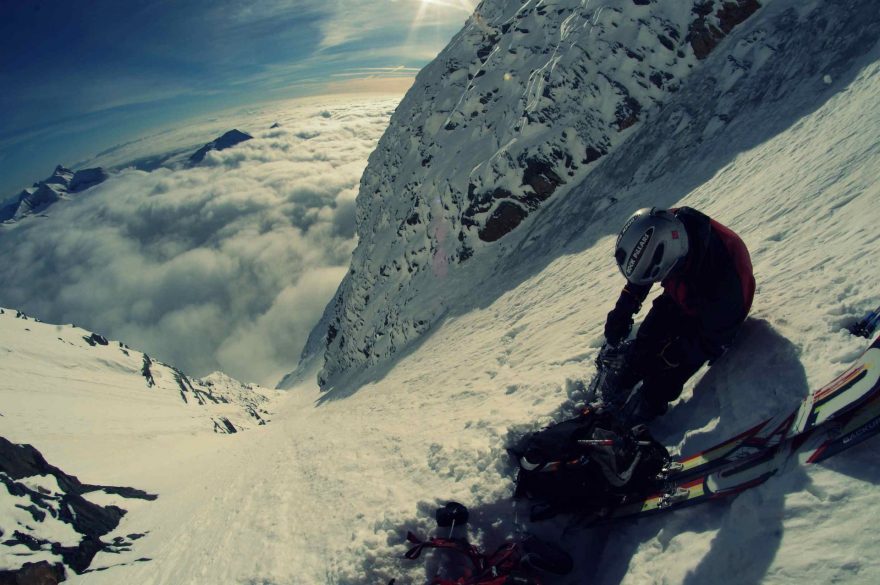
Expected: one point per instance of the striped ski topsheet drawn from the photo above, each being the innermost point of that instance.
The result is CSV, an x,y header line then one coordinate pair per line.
x,y
836,417
847,391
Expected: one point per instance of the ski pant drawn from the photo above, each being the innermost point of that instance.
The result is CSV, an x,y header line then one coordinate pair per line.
x,y
667,351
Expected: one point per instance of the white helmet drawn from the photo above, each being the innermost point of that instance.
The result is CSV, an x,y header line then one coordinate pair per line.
x,y
652,242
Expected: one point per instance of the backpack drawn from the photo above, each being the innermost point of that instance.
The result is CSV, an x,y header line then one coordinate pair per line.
x,y
586,465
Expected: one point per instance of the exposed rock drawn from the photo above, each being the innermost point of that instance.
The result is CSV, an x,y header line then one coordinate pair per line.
x,y
61,177
19,465
85,178
95,339
707,30
506,216
42,573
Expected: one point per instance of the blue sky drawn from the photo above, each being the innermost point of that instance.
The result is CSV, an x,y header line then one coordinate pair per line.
x,y
80,76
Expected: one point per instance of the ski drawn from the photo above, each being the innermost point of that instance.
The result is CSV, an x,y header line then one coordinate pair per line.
x,y
848,391
834,418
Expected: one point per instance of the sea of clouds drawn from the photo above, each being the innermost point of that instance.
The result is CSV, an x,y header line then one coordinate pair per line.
x,y
227,265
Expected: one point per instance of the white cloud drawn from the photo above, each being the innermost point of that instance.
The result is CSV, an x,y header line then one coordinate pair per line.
x,y
353,20
227,265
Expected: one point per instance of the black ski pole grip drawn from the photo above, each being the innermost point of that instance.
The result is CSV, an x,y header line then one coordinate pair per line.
x,y
452,514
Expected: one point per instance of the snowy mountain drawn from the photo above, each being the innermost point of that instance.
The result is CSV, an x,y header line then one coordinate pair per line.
x,y
62,183
524,102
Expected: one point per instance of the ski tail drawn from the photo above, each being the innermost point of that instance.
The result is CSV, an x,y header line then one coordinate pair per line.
x,y
858,426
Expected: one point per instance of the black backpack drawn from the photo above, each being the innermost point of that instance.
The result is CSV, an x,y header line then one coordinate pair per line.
x,y
586,465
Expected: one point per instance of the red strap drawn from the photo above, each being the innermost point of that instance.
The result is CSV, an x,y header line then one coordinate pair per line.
x,y
460,546
488,569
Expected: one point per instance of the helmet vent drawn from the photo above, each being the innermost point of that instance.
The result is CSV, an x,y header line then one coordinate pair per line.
x,y
656,260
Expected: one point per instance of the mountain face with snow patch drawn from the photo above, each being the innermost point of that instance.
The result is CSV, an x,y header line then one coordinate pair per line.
x,y
524,102
62,183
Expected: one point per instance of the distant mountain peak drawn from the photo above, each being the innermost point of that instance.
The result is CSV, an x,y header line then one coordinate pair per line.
x,y
223,142
45,193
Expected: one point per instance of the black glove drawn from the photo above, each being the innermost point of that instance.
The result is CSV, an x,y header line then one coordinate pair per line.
x,y
620,319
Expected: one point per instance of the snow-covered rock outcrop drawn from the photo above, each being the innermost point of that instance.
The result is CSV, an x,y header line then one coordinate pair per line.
x,y
48,522
526,99
43,194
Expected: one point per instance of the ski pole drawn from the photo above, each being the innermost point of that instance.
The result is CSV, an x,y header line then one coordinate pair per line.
x,y
451,514
608,443
865,327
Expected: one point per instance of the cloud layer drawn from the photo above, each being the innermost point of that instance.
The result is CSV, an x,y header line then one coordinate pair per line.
x,y
227,265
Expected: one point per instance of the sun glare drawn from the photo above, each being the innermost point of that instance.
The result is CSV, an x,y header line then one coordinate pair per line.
x,y
425,5
458,5
463,5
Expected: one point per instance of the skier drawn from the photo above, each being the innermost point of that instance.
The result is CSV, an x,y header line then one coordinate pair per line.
x,y
708,287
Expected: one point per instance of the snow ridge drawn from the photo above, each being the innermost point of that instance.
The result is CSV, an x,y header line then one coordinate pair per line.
x,y
35,351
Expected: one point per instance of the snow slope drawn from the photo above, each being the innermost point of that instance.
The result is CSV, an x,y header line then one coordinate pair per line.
x,y
326,492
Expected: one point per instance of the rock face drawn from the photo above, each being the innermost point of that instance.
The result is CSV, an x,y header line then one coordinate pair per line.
x,y
228,140
51,513
86,178
43,194
523,101
41,573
